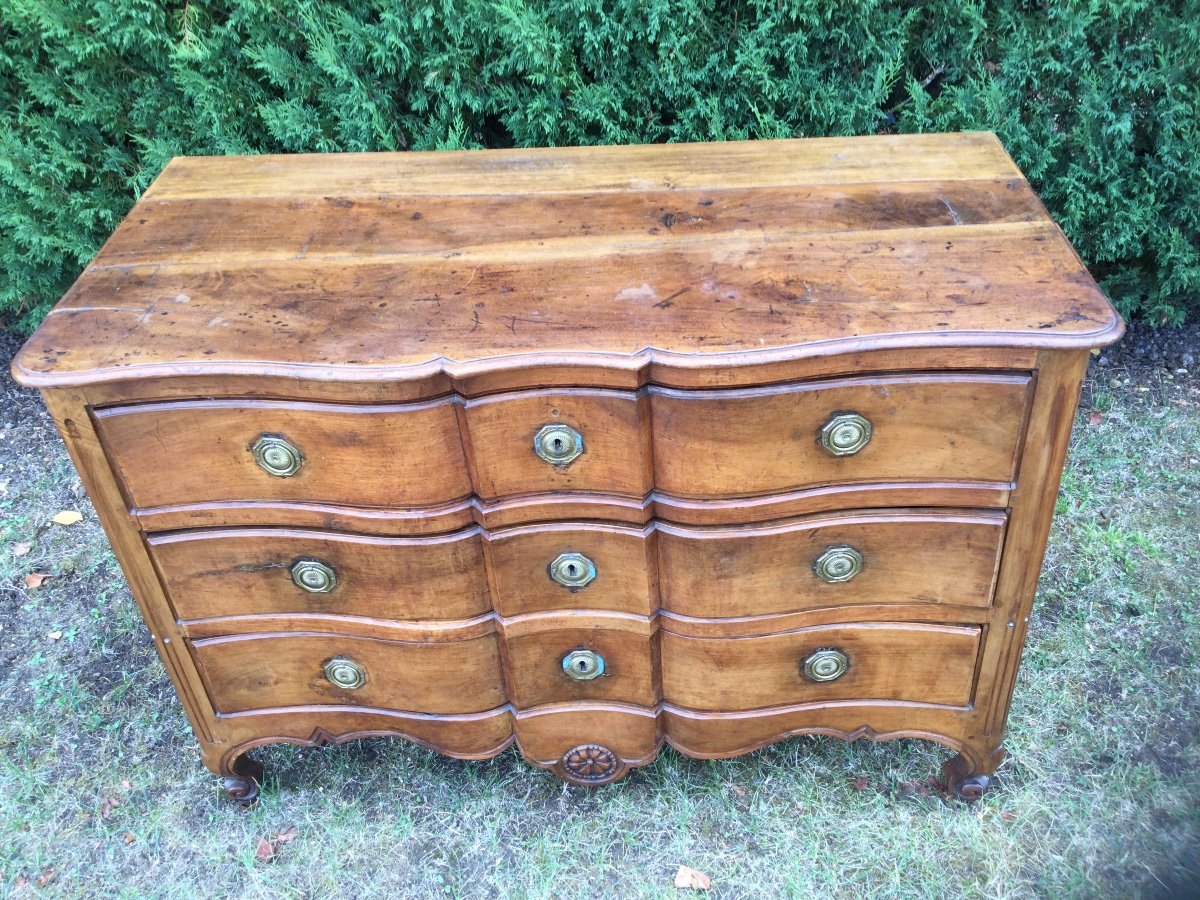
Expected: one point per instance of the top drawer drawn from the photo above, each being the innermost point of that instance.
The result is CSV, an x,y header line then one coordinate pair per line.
x,y
209,450
687,444
900,428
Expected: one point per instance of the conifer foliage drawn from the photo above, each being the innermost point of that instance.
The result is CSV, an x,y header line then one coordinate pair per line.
x,y
1099,102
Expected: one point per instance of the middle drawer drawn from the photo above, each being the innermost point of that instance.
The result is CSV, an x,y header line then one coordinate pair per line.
x,y
868,556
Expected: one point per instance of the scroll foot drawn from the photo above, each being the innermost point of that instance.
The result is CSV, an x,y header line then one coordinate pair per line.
x,y
966,780
242,779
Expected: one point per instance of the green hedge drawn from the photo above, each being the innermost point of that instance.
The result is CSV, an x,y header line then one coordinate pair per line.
x,y
1098,102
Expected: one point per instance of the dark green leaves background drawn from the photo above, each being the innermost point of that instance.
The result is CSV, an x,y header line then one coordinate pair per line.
x,y
1098,102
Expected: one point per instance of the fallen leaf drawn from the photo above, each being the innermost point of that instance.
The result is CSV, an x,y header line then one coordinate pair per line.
x,y
54,635
21,549
129,838
739,790
21,882
1095,417
107,805
67,517
920,788
46,877
690,879
861,783
126,783
1008,815
288,834
34,580
265,852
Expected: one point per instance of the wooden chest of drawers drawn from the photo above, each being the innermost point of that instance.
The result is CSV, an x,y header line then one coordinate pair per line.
x,y
585,449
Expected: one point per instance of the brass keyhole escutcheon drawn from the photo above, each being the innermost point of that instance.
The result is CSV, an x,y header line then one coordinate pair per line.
x,y
558,444
313,576
838,564
276,456
845,434
583,665
345,673
827,664
572,570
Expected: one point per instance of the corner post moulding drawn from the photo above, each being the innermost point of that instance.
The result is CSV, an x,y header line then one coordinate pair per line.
x,y
582,450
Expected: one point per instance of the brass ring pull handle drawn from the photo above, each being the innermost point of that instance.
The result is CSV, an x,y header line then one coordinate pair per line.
x,y
583,665
838,564
572,570
845,434
345,673
558,444
827,664
313,576
276,456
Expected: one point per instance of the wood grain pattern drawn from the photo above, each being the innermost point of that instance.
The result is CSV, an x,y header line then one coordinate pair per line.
x,y
616,452
201,450
746,442
246,572
920,663
689,256
909,556
264,671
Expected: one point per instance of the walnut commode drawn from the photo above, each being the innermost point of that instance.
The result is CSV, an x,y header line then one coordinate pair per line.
x,y
582,449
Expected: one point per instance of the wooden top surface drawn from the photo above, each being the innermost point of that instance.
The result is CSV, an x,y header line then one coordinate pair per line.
x,y
371,266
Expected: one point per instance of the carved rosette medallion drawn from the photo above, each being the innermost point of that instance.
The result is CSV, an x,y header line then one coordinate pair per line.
x,y
590,764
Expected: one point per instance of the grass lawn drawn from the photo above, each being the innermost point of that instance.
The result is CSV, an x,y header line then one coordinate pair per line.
x,y
102,792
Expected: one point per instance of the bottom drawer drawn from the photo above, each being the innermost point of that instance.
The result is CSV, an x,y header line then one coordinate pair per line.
x,y
884,661
263,671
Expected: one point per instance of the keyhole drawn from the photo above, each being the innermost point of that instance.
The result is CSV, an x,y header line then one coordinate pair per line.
x,y
557,444
581,666
573,570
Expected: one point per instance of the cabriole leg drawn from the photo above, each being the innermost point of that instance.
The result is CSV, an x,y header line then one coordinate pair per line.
x,y
966,778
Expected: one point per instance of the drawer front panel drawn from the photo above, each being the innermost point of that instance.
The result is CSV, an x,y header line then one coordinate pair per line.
x,y
917,663
247,571
922,428
908,556
536,665
613,452
267,671
203,451
597,567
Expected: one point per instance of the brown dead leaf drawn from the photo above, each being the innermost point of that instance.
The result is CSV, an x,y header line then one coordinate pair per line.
x,y
917,788
46,876
128,837
21,549
34,580
286,836
739,790
126,783
67,517
107,805
265,851
1008,815
1095,417
861,783
21,882
690,879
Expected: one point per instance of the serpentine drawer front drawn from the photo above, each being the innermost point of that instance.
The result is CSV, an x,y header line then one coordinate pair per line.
x,y
582,450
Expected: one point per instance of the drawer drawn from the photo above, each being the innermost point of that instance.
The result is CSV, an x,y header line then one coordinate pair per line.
x,y
247,672
573,566
756,441
868,557
598,433
273,571
203,451
613,659
908,662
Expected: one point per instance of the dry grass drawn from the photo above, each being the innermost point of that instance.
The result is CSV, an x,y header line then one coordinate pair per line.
x,y
102,793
